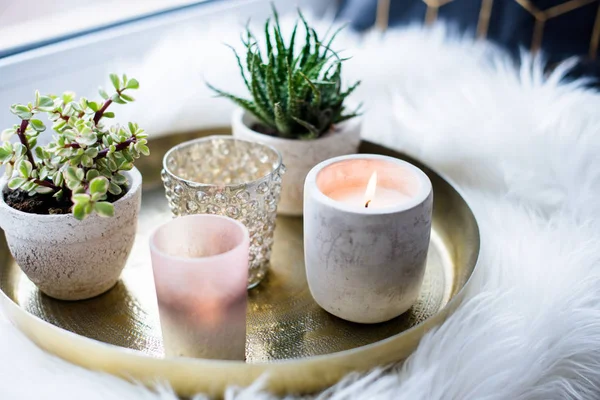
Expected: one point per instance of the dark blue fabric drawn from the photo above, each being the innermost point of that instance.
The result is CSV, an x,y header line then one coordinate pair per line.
x,y
510,25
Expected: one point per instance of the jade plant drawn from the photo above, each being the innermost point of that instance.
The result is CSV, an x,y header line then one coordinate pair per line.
x,y
84,162
295,93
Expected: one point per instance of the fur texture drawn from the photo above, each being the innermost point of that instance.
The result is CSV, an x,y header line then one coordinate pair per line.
x,y
523,147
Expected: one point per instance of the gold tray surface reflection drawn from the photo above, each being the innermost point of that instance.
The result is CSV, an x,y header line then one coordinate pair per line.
x,y
284,322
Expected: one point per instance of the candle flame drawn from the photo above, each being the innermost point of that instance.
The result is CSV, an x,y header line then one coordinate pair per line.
x,y
371,187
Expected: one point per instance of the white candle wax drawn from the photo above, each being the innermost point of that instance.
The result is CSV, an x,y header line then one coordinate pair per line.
x,y
383,197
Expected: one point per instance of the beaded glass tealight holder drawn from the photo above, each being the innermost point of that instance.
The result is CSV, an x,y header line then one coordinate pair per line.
x,y
232,177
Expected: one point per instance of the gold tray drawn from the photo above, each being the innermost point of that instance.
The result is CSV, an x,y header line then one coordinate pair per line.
x,y
300,346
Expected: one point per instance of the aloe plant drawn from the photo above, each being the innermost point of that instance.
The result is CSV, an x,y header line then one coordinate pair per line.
x,y
294,93
85,161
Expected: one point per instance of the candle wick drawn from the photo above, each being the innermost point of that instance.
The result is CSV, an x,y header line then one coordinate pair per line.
x,y
367,203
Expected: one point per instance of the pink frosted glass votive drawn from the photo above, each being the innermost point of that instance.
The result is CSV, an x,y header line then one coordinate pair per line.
x,y
200,265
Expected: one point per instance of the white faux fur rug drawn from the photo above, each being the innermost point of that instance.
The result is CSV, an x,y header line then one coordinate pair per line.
x,y
523,147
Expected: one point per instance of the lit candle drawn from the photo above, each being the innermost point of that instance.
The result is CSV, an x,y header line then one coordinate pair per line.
x,y
367,223
372,196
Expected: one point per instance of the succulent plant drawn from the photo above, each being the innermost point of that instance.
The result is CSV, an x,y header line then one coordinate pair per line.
x,y
85,160
295,94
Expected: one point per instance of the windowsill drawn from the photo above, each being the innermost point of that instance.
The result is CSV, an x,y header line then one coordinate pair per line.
x,y
59,23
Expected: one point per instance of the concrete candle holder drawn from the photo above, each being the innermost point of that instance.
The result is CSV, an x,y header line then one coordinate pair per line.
x,y
367,223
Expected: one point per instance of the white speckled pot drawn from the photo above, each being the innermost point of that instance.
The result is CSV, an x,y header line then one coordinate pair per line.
x,y
366,265
299,156
69,259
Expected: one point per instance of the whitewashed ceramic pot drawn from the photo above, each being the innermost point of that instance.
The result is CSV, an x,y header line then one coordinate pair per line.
x,y
366,265
299,156
69,259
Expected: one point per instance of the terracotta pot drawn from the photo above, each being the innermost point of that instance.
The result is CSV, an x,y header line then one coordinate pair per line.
x,y
299,156
69,259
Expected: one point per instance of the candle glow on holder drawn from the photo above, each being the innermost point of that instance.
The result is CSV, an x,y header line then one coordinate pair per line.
x,y
367,224
200,265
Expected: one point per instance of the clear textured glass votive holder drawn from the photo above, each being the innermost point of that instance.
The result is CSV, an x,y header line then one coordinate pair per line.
x,y
232,177
200,265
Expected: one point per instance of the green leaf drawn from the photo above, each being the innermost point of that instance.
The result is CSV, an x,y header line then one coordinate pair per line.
x,y
112,165
144,149
132,127
118,100
29,187
316,102
25,168
58,179
127,98
239,62
5,154
7,134
108,114
93,106
71,174
246,104
91,174
103,93
41,153
314,132
21,111
115,81
32,141
292,105
91,152
281,121
16,183
99,185
104,209
81,198
43,190
291,46
133,84
37,125
68,97
79,211
119,179
114,189
43,173
88,140
19,149
80,174
8,170
87,162
46,103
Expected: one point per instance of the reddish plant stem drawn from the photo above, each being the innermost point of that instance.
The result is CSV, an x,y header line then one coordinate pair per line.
x,y
119,147
103,153
21,133
101,111
46,184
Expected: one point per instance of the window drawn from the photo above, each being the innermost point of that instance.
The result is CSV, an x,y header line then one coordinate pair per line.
x,y
27,24
73,46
